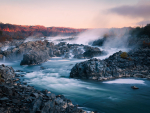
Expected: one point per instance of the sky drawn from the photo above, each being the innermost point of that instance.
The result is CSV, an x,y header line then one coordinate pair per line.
x,y
76,13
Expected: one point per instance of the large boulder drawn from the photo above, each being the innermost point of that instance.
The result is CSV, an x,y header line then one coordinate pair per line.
x,y
35,57
7,72
91,52
121,64
99,42
90,68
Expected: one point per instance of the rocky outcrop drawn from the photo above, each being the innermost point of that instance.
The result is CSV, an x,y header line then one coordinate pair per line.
x,y
99,42
32,53
37,52
142,41
134,87
135,64
6,72
87,69
91,52
35,57
18,98
1,57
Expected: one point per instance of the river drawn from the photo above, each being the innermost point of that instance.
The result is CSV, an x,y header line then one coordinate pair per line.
x,y
114,96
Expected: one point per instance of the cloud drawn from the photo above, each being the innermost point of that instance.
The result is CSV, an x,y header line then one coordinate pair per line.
x,y
145,22
136,11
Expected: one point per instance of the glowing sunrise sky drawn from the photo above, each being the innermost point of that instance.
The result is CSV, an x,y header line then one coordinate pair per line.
x,y
76,13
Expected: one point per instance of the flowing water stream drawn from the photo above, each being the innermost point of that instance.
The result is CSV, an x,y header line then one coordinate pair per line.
x,y
114,96
106,97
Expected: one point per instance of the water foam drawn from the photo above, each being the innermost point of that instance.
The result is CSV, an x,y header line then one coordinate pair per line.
x,y
125,81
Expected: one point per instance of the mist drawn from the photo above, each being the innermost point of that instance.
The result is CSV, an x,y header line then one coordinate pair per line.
x,y
119,39
33,38
116,40
90,35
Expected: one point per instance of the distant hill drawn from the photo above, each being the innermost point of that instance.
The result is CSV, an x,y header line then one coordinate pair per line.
x,y
10,31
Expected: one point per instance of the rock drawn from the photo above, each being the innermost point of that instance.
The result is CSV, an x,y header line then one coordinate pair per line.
x,y
7,72
22,75
36,95
134,87
16,79
51,95
18,98
148,78
92,52
114,67
139,75
48,106
37,105
99,42
37,52
42,68
4,99
77,51
19,71
1,57
34,58
79,56
87,69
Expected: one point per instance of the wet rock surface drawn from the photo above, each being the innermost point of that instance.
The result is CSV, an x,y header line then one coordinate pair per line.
x,y
18,98
99,42
37,52
135,64
134,87
91,52
6,72
35,57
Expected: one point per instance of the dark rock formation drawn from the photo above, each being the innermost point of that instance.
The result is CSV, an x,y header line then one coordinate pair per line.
x,y
37,52
134,87
32,53
88,69
99,42
6,72
136,64
1,57
35,57
91,52
19,98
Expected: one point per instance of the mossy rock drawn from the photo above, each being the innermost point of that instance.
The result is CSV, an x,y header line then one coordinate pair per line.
x,y
124,55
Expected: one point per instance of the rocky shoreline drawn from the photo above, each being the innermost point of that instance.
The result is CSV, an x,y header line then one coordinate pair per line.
x,y
135,63
15,97
37,52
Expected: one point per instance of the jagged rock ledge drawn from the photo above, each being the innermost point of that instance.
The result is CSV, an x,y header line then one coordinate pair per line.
x,y
18,98
135,63
37,52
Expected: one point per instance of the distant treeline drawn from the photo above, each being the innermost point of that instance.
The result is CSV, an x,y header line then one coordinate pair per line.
x,y
9,31
138,32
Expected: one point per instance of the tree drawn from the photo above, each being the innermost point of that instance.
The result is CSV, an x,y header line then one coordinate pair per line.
x,y
1,33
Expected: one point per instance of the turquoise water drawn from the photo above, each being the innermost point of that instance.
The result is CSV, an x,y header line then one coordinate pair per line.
x,y
115,96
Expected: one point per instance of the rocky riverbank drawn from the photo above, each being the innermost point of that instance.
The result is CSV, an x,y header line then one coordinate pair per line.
x,y
135,63
18,98
37,52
